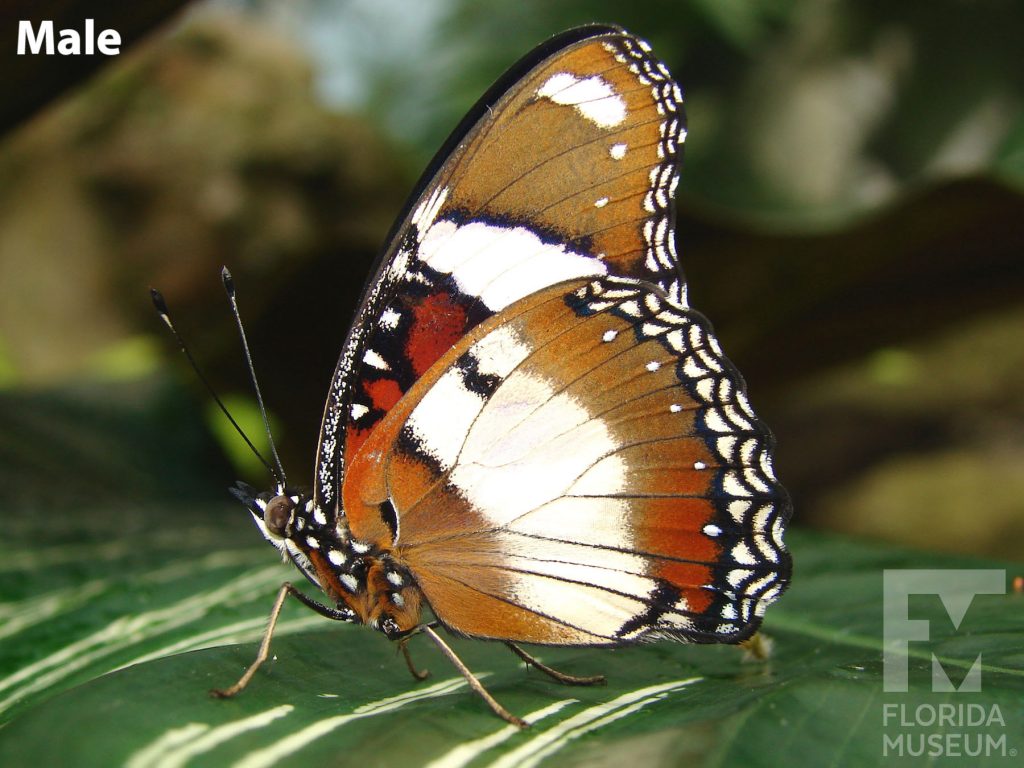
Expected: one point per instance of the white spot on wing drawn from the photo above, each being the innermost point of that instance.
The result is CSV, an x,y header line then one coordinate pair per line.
x,y
617,151
441,420
499,352
737,576
374,360
501,264
594,98
608,476
593,610
427,211
741,554
597,521
505,472
601,202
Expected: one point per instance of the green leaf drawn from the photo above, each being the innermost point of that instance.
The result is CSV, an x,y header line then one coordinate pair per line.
x,y
117,618
335,690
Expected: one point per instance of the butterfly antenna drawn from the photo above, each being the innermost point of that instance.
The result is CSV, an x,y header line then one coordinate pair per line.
x,y
229,287
165,315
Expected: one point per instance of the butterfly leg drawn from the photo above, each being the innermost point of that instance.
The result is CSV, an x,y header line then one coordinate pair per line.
x,y
286,589
554,674
757,647
499,710
403,644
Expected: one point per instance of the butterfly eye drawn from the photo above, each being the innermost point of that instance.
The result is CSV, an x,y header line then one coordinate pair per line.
x,y
278,515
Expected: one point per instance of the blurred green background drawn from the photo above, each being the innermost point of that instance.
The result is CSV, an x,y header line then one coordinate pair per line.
x,y
851,219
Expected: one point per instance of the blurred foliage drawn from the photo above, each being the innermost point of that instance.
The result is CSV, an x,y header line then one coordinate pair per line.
x,y
920,443
102,443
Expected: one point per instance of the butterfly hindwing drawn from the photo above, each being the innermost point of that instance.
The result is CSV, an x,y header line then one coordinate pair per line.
x,y
581,468
566,170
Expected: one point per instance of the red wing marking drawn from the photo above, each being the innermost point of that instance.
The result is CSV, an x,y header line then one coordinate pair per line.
x,y
384,393
438,323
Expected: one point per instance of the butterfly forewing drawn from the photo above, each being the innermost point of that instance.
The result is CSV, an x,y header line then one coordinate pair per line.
x,y
581,468
566,171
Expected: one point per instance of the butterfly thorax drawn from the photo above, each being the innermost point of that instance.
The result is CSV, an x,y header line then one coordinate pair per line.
x,y
362,581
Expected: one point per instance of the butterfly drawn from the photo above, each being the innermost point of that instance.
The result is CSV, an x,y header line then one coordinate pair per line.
x,y
529,431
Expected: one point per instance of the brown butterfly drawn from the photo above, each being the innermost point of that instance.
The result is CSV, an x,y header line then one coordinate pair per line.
x,y
529,431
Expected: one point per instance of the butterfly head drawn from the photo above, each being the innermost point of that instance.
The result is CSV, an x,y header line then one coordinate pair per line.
x,y
369,585
283,516
274,512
